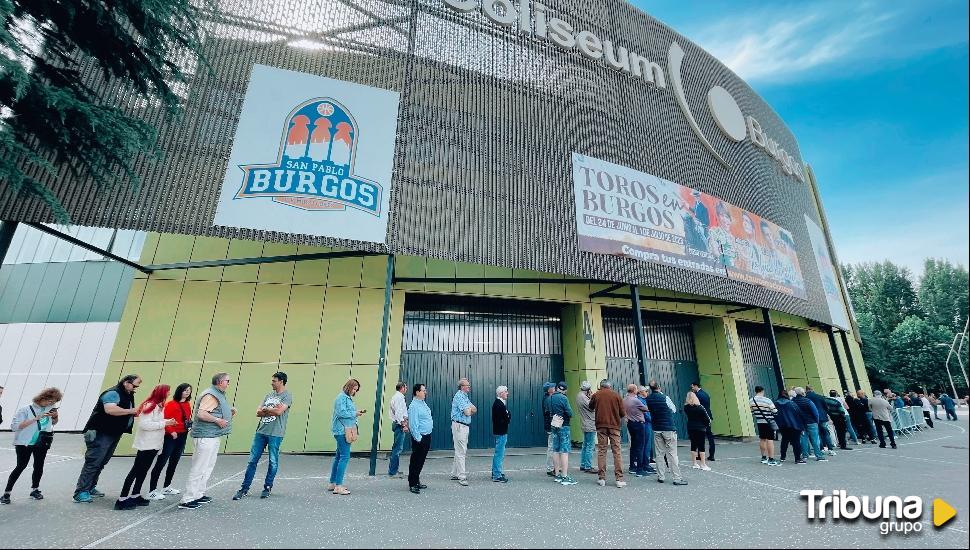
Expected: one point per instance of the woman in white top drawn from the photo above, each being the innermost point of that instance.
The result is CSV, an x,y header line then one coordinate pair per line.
x,y
33,429
149,439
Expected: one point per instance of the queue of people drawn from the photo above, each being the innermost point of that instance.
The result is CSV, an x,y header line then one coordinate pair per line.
x,y
806,421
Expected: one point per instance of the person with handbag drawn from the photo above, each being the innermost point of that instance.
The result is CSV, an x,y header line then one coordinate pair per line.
x,y
149,439
344,429
33,429
180,410
764,412
562,413
698,422
212,420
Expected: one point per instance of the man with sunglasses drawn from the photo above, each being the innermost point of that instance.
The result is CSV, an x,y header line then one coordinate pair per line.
x,y
112,417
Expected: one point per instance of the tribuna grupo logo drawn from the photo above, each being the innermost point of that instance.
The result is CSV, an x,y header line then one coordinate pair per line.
x,y
314,169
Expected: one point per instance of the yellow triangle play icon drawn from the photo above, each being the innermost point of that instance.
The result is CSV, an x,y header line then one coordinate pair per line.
x,y
942,512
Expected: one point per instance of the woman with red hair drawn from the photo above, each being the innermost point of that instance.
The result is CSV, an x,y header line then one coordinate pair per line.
x,y
149,439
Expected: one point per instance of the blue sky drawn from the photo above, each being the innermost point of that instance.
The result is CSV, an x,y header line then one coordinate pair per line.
x,y
876,94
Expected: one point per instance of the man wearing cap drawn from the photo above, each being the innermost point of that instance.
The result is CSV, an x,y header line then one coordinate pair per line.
x,y
547,390
589,427
501,418
562,413
462,410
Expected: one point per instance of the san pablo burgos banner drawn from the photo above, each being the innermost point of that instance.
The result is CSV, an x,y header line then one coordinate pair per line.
x,y
629,213
311,155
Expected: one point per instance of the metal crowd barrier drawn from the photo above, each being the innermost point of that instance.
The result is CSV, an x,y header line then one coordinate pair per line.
x,y
903,422
919,421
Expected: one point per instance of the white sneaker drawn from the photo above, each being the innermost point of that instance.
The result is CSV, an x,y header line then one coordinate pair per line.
x,y
156,495
620,484
696,466
706,468
601,482
171,491
831,453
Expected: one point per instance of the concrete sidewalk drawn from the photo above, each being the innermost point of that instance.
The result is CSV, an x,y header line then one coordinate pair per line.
x,y
740,503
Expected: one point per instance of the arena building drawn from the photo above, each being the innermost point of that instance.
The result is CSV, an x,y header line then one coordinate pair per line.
x,y
423,190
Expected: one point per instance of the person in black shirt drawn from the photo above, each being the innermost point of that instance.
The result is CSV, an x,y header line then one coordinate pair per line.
x,y
698,423
501,418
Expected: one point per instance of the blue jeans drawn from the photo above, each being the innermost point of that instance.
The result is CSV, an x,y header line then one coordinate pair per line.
x,y
872,425
499,458
586,454
260,442
810,435
637,434
647,446
395,461
852,433
824,436
340,460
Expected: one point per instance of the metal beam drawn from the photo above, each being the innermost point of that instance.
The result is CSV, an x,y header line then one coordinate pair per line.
x,y
740,309
681,300
263,260
848,357
382,361
7,229
641,344
775,358
606,291
495,280
86,246
838,358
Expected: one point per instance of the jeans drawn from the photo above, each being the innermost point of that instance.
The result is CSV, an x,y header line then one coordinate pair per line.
x,y
96,457
648,446
499,457
340,460
936,414
172,451
872,424
395,462
852,433
791,436
810,436
586,454
825,438
260,442
636,431
549,464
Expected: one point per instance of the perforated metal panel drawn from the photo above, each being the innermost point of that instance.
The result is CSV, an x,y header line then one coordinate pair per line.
x,y
488,120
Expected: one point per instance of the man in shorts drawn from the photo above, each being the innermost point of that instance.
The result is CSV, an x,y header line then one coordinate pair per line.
x,y
764,412
561,436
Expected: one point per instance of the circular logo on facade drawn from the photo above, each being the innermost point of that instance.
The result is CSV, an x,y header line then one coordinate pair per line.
x,y
325,109
726,113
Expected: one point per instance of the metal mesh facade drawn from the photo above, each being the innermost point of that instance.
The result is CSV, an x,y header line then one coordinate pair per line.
x,y
488,120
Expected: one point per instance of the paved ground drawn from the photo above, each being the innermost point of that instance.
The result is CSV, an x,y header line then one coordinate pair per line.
x,y
741,503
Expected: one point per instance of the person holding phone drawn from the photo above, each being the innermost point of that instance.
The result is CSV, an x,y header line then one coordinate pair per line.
x,y
149,438
178,409
33,428
343,426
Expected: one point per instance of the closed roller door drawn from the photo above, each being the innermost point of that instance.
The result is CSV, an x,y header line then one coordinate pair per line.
x,y
491,343
671,358
756,356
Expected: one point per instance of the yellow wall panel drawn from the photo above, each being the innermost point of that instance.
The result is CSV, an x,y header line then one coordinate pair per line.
x,y
281,272
311,272
172,249
265,335
190,332
239,248
345,272
153,327
208,248
119,350
338,326
302,334
227,337
370,319
373,271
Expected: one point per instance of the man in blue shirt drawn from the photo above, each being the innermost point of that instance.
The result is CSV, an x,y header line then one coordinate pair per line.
x,y
420,425
462,410
705,400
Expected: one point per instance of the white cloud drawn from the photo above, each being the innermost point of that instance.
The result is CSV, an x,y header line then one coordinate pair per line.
x,y
773,46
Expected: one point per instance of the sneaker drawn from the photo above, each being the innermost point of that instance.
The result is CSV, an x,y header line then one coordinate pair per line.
x,y
764,460
705,468
414,490
455,478
781,460
821,459
549,473
332,486
95,492
801,461
831,452
239,494
620,484
593,471
171,491
265,492
846,448
36,494
5,499
189,505
601,482
882,446
127,504
204,499
558,479
141,501
638,474
463,482
500,479
894,445
710,459
660,480
568,480
773,462
696,466
82,497
422,486
681,481
156,495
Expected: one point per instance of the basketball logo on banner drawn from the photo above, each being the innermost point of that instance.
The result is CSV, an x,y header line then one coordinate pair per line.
x,y
314,169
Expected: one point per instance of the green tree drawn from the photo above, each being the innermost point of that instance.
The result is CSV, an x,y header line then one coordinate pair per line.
x,y
53,119
916,358
942,293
